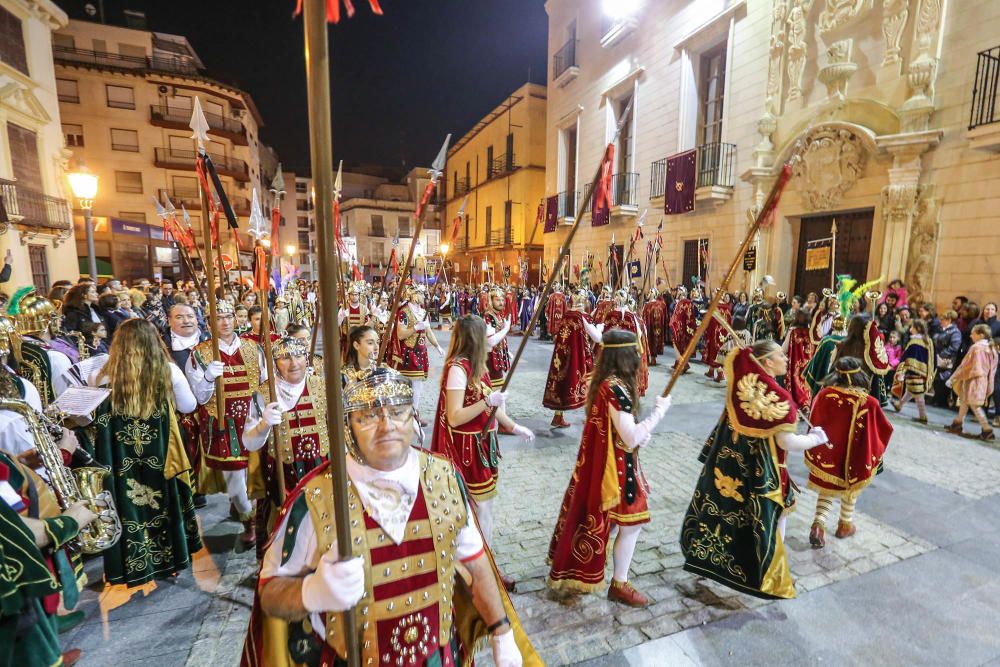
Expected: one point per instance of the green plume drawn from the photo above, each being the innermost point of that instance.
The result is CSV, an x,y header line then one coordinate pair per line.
x,y
14,305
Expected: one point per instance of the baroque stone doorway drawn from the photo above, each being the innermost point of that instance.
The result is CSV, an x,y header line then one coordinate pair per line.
x,y
854,240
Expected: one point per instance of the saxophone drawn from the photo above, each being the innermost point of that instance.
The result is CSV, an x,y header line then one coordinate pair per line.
x,y
72,486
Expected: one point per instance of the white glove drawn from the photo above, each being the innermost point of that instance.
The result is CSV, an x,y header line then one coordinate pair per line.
x,y
311,297
341,316
948,383
663,404
497,399
440,351
271,414
336,585
523,432
505,651
420,326
819,435
214,370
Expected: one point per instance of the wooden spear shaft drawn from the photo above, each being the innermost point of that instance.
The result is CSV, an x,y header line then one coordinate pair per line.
x,y
213,306
279,435
400,279
321,152
713,305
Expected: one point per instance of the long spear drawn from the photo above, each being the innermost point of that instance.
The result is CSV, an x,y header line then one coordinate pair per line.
x,y
199,128
172,229
765,212
321,153
435,173
563,252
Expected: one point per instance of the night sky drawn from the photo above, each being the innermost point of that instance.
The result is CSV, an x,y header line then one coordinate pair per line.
x,y
400,81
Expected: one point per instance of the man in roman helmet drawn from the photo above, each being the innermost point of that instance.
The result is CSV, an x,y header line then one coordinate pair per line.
x,y
623,317
555,308
498,324
408,345
412,531
604,305
572,360
683,323
242,369
654,314
355,314
37,324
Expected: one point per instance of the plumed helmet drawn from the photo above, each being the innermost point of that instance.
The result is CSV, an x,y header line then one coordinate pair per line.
x,y
496,290
681,291
33,313
606,291
289,346
357,287
580,298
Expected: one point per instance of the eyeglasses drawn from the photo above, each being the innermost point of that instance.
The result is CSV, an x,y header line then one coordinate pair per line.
x,y
369,419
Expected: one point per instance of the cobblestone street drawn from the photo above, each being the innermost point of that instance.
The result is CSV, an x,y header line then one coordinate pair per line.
x,y
926,548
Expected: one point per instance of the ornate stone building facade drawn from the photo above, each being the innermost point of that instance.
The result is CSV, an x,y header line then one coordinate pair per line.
x,y
874,97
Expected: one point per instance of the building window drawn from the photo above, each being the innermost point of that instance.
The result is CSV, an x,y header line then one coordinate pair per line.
x,y
625,148
73,135
39,268
65,41
134,216
301,187
24,157
304,239
695,252
378,226
489,225
120,97
124,140
303,223
508,222
12,42
489,162
569,165
68,91
711,85
378,252
128,181
404,226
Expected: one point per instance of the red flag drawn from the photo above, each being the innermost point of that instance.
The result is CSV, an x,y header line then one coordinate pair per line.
x,y
602,198
260,277
275,222
356,272
341,249
333,9
454,229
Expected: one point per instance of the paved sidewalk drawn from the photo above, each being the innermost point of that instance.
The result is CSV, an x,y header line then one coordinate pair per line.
x,y
916,585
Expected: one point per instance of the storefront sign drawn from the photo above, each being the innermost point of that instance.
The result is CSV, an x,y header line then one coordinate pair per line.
x,y
119,226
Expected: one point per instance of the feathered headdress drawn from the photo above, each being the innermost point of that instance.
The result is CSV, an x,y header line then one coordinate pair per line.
x,y
849,293
14,306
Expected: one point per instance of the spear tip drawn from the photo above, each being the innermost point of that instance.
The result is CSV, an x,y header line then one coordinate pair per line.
x,y
198,124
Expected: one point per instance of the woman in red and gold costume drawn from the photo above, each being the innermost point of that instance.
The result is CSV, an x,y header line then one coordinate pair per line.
x,y
683,323
654,314
498,322
716,336
463,412
623,317
859,433
572,361
407,351
799,349
745,475
608,487
554,309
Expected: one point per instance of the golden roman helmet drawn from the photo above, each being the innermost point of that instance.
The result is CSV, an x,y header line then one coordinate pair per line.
x,y
33,313
653,293
223,307
622,298
7,331
497,290
357,287
289,346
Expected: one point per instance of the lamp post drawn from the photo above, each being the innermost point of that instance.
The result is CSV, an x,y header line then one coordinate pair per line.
x,y
83,183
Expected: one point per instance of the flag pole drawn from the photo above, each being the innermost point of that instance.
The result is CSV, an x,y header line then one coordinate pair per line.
x,y
563,252
765,212
317,63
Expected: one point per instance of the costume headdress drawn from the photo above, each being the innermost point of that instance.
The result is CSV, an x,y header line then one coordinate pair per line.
x,y
621,298
32,312
383,386
289,346
223,307
580,297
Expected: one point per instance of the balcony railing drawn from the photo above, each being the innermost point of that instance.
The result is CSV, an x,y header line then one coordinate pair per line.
x,y
567,204
164,116
501,165
657,178
462,187
174,158
128,148
494,237
985,88
35,208
716,165
564,58
175,65
378,232
624,191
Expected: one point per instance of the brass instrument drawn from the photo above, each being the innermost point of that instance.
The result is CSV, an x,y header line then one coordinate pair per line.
x,y
72,486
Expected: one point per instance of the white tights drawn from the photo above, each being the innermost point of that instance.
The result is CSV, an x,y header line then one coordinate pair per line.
x,y
418,391
625,543
484,513
236,489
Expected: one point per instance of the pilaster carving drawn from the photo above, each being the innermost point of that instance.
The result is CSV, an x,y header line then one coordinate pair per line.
x,y
796,46
922,254
776,52
922,73
833,159
838,69
837,13
894,18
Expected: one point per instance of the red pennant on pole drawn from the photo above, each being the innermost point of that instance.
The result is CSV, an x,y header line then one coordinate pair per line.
x,y
261,282
333,9
602,198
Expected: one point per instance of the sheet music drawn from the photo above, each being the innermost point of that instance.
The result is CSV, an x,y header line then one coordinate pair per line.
x,y
81,401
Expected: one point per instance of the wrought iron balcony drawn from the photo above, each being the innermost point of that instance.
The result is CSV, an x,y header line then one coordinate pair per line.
x,y
716,165
173,158
624,191
657,178
67,55
501,165
179,119
567,204
563,59
985,89
378,232
30,208
462,187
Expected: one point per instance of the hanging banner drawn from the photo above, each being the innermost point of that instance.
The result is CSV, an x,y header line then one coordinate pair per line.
x,y
750,259
634,269
551,213
818,254
678,191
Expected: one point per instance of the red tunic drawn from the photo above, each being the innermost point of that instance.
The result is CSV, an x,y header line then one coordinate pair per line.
x,y
800,353
409,356
242,376
554,310
629,321
475,457
498,359
654,314
607,487
859,432
716,335
308,448
601,310
683,323
571,365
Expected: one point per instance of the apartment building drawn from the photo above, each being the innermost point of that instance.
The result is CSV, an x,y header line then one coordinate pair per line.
x,y
126,95
35,216
497,170
890,105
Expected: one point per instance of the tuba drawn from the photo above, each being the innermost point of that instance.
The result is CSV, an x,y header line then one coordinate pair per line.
x,y
72,486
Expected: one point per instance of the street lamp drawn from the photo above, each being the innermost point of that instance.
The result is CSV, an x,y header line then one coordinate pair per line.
x,y
83,182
